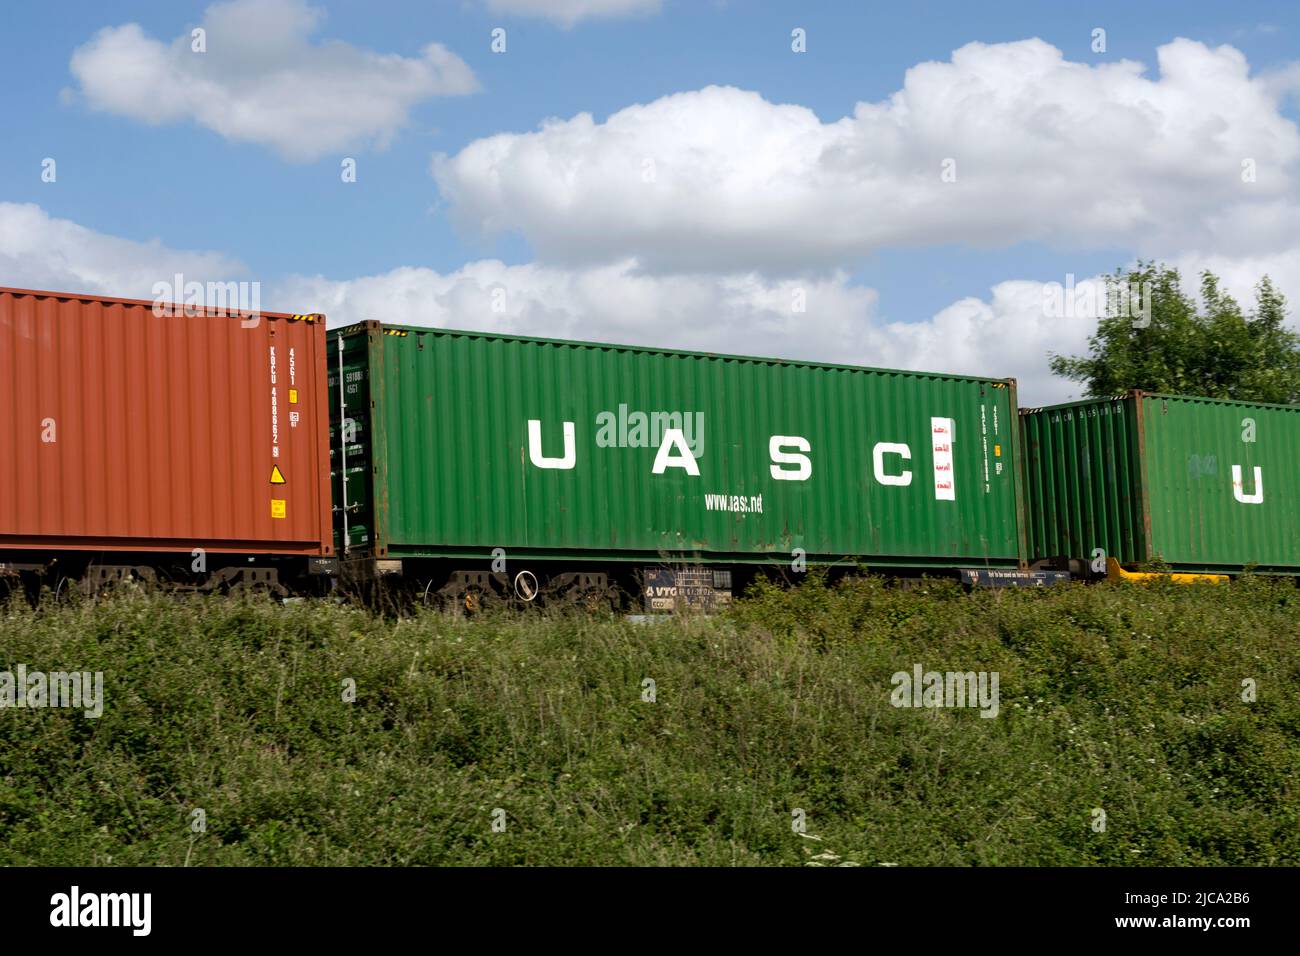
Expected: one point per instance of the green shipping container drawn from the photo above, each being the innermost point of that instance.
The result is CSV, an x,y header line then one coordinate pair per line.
x,y
1199,484
462,442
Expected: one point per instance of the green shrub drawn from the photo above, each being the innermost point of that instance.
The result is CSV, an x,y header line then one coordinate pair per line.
x,y
1122,697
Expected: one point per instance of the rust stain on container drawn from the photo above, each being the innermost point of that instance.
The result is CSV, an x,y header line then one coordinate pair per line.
x,y
123,429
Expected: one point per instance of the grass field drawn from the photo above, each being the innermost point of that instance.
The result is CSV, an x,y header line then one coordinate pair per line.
x,y
1121,698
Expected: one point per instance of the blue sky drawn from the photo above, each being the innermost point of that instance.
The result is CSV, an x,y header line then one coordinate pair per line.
x,y
192,188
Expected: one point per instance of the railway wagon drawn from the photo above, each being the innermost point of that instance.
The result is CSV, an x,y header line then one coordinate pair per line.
x,y
485,463
145,439
1199,484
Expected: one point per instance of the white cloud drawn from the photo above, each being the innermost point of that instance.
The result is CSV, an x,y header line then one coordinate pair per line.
x,y
1045,150
1009,335
613,303
1239,274
263,81
41,252
568,12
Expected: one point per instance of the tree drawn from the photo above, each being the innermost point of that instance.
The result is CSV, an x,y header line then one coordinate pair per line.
x,y
1214,350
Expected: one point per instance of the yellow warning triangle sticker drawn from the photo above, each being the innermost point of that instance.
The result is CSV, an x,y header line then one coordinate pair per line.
x,y
276,477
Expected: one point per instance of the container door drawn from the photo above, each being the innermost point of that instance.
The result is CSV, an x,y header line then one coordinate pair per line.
x,y
351,442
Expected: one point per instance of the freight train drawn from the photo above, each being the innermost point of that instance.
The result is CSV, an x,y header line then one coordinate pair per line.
x,y
220,451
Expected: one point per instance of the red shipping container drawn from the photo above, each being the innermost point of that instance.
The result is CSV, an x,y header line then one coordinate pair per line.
x,y
126,430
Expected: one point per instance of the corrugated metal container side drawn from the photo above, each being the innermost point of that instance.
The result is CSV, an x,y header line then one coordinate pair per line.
x,y
441,465
125,430
1200,484
1083,487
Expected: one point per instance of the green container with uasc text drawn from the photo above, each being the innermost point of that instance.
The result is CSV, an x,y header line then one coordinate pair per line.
x,y
462,442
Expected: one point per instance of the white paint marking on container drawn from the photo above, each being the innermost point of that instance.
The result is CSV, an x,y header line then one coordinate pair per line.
x,y
941,439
